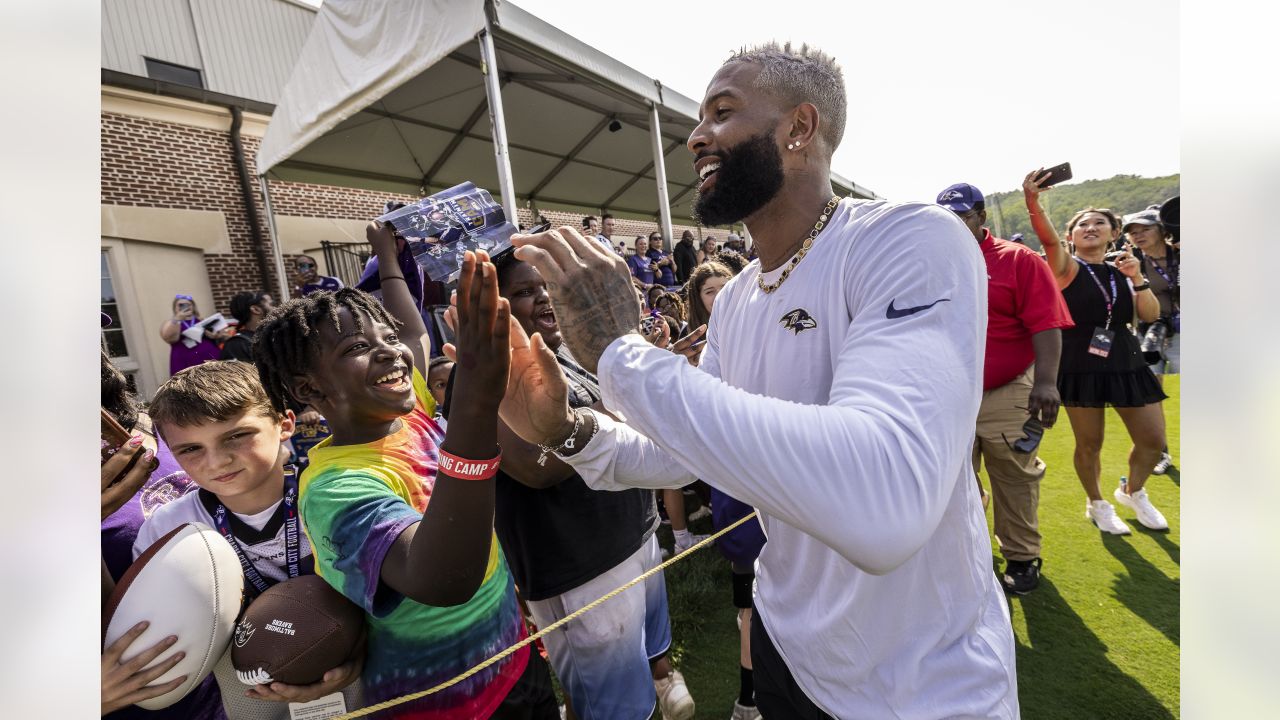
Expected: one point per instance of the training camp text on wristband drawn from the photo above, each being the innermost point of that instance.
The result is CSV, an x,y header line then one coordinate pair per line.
x,y
465,469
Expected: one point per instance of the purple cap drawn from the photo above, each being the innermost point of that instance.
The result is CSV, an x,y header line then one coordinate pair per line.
x,y
960,198
106,319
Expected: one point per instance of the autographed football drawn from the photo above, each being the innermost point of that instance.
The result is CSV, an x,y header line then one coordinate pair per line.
x,y
295,632
188,584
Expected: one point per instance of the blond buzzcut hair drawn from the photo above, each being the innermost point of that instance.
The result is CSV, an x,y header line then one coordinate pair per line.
x,y
801,75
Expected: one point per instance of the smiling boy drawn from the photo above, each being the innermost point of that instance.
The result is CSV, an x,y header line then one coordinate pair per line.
x,y
222,430
400,511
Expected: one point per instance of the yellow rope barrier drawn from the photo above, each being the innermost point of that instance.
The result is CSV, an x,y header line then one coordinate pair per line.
x,y
386,704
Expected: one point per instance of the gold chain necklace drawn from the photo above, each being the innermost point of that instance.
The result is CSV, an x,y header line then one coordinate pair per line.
x,y
804,248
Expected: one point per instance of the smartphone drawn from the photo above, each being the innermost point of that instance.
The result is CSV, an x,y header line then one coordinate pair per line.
x,y
1057,174
650,322
113,434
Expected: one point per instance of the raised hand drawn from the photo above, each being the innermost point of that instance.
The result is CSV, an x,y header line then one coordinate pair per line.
x,y
1031,188
482,321
590,288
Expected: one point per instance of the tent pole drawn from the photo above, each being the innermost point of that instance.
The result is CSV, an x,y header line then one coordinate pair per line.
x,y
660,170
283,285
497,120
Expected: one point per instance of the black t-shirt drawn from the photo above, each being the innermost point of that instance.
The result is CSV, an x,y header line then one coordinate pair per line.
x,y
238,347
558,538
686,260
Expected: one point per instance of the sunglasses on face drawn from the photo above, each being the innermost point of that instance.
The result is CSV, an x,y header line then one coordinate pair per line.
x,y
305,266
1032,432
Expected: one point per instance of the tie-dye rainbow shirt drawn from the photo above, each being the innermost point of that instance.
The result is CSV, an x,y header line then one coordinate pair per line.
x,y
355,501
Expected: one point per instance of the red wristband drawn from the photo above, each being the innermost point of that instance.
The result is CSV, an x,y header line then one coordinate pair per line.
x,y
465,469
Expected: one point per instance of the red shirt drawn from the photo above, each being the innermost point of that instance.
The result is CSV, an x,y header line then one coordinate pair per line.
x,y
1022,300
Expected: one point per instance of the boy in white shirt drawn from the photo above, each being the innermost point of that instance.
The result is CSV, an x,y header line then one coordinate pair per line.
x,y
221,428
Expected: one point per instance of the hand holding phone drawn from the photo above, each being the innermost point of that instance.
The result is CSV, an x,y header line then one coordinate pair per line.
x,y
1057,174
126,465
114,436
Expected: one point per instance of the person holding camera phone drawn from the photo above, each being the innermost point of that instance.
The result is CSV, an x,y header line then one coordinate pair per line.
x,y
1161,340
186,315
1101,361
1025,318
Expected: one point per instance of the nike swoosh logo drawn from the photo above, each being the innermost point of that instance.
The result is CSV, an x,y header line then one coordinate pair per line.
x,y
894,313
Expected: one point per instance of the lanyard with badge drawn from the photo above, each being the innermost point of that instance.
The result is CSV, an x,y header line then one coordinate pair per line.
x,y
1100,343
292,535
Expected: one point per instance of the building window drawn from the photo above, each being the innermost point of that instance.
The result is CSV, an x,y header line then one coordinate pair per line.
x,y
169,72
113,335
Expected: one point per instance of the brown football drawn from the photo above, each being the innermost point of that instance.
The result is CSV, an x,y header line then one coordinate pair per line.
x,y
295,632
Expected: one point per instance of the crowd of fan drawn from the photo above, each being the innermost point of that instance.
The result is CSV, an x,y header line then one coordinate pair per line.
x,y
1101,309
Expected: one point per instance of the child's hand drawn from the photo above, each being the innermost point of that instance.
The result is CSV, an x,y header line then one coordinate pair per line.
x,y
125,683
333,681
380,235
482,320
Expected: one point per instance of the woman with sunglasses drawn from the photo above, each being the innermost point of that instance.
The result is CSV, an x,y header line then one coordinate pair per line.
x,y
182,355
1102,363
309,278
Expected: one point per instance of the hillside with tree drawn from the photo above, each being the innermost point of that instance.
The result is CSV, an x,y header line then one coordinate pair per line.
x,y
1007,212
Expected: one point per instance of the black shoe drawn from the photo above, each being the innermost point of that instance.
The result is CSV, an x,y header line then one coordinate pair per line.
x,y
1021,576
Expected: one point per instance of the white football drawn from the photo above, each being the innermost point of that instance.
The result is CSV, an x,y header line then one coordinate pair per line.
x,y
189,584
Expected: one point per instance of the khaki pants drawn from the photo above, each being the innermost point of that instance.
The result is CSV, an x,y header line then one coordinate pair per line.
x,y
1015,477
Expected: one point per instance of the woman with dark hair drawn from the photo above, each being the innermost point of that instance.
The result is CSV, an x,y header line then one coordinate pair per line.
x,y
1101,361
181,355
705,283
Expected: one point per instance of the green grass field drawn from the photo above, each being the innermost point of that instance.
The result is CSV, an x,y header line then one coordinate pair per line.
x,y
1098,639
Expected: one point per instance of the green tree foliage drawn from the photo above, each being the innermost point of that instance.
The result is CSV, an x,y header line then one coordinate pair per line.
x,y
1007,211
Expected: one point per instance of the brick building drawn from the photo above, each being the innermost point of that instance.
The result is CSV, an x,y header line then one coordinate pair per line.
x,y
188,88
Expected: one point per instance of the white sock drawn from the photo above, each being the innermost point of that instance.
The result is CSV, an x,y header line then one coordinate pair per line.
x,y
681,535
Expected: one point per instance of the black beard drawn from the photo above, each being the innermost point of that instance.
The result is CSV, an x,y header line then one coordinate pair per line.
x,y
750,175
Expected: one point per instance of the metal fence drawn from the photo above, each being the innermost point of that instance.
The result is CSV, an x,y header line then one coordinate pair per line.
x,y
345,261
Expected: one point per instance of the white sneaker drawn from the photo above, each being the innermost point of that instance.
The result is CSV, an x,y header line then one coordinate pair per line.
x,y
1141,505
1104,516
689,542
702,512
1163,466
674,699
742,712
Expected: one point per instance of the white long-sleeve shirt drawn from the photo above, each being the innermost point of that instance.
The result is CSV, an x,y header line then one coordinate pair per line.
x,y
842,407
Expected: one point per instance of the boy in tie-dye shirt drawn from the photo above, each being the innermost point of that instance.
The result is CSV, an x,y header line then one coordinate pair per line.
x,y
411,544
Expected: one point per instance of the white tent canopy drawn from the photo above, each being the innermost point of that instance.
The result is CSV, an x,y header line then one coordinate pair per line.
x,y
393,96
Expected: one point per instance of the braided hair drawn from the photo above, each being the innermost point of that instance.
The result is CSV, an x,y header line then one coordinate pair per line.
x,y
285,345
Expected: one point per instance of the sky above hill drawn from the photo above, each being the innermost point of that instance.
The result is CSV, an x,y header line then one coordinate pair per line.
x,y
939,92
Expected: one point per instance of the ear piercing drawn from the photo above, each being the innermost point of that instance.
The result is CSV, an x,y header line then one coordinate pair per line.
x,y
793,146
